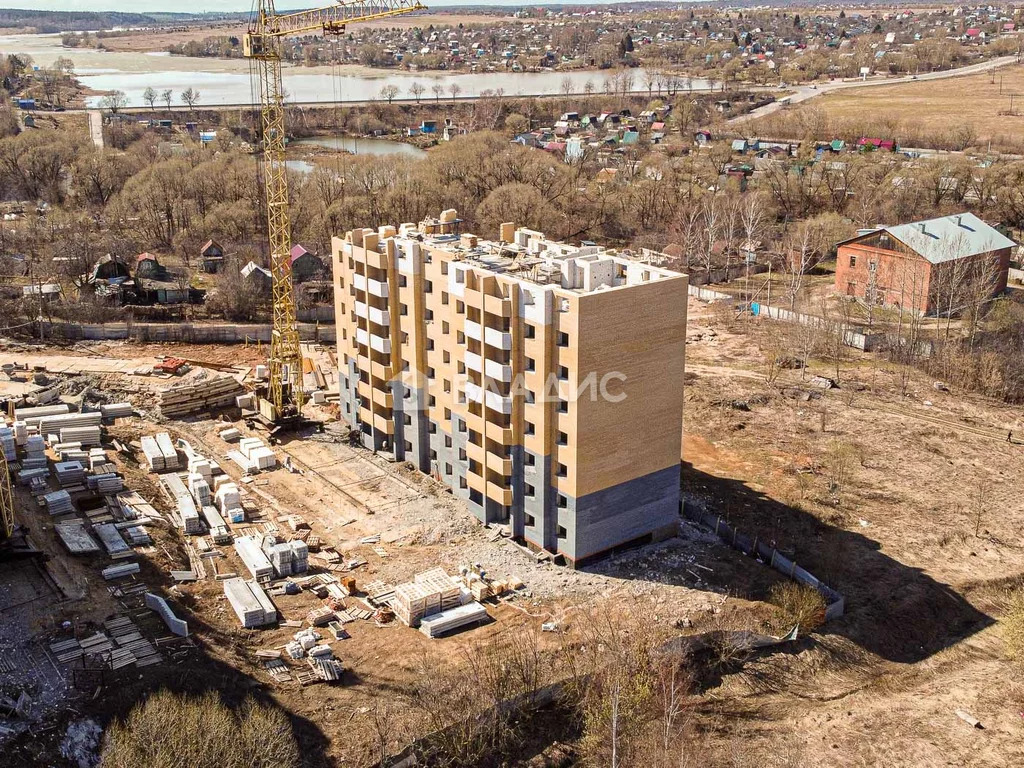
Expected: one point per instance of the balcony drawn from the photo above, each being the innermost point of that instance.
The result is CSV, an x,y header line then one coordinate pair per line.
x,y
378,260
377,288
380,371
380,344
501,495
364,390
500,435
498,306
475,452
383,398
363,337
476,482
378,316
473,331
473,362
383,424
499,464
496,370
497,339
493,400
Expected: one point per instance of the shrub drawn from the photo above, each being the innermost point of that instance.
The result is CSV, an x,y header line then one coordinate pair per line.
x,y
171,731
799,604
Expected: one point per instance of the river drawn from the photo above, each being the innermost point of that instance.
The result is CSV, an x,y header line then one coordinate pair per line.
x,y
226,81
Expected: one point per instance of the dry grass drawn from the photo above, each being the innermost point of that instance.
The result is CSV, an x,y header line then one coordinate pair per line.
x,y
799,603
935,107
1013,626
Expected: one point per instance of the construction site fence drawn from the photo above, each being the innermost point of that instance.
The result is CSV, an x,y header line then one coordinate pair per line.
x,y
865,342
724,274
835,603
204,333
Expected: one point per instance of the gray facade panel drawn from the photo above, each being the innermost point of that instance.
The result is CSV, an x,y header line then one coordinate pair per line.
x,y
622,513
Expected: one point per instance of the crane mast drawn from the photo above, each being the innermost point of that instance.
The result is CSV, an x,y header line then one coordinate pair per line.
x,y
262,44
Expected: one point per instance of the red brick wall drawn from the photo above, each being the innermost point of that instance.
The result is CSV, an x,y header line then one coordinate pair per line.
x,y
899,278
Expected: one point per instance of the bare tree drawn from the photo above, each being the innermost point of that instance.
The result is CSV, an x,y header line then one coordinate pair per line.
x,y
167,97
454,89
115,101
191,97
417,89
150,96
438,90
389,92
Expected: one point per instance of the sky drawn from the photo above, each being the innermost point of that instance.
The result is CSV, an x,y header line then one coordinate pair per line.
x,y
191,6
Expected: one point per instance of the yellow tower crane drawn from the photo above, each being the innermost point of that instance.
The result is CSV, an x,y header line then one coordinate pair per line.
x,y
262,44
6,501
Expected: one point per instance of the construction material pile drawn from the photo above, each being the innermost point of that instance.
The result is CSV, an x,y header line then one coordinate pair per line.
x,y
250,603
159,452
116,410
253,456
428,593
199,396
287,558
255,560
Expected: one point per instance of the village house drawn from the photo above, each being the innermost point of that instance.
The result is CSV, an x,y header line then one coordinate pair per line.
x,y
910,265
211,257
304,264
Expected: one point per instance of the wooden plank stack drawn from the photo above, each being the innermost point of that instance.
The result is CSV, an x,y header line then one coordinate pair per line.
x,y
198,396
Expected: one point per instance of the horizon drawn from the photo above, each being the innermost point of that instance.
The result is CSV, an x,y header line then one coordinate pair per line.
x,y
240,6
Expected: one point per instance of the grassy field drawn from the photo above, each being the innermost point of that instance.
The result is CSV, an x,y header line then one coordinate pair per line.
x,y
928,108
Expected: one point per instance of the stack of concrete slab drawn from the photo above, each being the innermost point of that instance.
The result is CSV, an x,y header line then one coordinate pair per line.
x,y
258,454
106,484
32,416
84,435
246,401
97,457
218,529
247,466
198,396
112,541
58,503
200,489
250,603
76,538
186,505
197,465
52,425
35,451
450,620
27,476
166,445
154,456
137,536
287,558
20,432
8,446
116,410
229,502
69,473
119,571
255,560
230,435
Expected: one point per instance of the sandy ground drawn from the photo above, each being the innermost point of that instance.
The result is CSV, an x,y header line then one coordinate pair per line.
x,y
918,526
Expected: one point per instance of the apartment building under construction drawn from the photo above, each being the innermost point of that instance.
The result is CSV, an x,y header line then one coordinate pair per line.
x,y
543,382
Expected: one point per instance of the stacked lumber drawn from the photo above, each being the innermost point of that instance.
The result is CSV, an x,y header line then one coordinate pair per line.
x,y
250,603
450,620
116,410
58,503
195,397
428,593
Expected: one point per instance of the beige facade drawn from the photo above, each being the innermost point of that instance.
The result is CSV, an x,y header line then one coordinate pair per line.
x,y
542,381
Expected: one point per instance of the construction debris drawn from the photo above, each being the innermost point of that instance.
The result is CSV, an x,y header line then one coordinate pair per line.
x,y
199,396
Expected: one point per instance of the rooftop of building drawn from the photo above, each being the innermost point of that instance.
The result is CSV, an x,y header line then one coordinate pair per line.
x,y
527,256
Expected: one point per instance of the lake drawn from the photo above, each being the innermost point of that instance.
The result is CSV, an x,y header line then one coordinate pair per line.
x,y
362,146
226,81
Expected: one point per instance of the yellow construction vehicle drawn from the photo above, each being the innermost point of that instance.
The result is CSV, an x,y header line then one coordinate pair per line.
x,y
282,399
